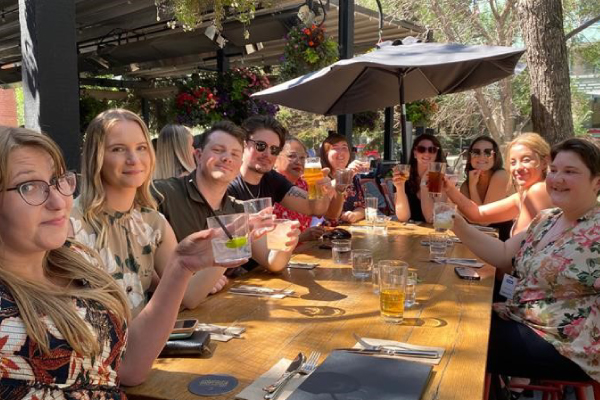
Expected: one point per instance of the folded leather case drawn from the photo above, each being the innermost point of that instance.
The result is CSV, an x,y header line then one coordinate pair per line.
x,y
194,346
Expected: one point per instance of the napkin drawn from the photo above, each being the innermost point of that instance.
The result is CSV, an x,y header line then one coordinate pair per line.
x,y
465,262
220,332
384,342
255,392
261,291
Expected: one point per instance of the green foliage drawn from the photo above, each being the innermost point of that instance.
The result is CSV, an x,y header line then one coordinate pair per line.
x,y
307,49
421,111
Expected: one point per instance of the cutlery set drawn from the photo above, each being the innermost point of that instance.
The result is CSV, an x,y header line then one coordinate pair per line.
x,y
299,366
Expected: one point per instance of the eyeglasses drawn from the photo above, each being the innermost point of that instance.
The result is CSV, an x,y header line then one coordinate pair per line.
x,y
424,149
261,146
485,153
35,193
295,157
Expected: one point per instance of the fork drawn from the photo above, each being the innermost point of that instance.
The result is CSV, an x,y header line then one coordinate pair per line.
x,y
309,366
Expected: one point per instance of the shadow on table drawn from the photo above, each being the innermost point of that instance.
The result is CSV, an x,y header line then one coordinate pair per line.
x,y
313,311
426,322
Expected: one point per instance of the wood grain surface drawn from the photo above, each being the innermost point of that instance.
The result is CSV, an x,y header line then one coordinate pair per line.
x,y
329,305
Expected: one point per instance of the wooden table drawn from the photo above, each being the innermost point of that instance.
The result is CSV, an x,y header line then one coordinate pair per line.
x,y
329,306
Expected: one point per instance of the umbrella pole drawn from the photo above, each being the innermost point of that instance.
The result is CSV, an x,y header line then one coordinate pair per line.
x,y
405,149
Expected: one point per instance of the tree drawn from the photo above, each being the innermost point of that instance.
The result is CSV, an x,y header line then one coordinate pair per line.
x,y
547,63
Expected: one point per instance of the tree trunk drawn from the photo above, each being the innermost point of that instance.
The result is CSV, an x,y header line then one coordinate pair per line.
x,y
547,62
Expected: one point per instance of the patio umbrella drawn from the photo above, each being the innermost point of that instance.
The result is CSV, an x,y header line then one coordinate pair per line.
x,y
394,74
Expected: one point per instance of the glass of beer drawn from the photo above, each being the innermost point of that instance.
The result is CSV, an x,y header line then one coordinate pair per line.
x,y
403,170
313,174
435,177
392,290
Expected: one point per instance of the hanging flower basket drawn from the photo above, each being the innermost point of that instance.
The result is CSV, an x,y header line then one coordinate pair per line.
x,y
195,106
308,49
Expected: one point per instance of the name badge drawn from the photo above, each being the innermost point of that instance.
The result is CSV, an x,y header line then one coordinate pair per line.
x,y
508,286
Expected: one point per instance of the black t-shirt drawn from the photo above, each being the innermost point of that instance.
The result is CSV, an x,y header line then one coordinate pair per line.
x,y
272,184
414,204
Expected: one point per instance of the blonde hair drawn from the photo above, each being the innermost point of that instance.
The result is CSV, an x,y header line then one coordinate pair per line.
x,y
93,196
535,143
36,300
173,157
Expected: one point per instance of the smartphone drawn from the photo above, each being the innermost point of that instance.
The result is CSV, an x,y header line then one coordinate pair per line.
x,y
185,326
467,273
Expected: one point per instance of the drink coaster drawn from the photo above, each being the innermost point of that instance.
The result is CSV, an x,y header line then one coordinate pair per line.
x,y
212,385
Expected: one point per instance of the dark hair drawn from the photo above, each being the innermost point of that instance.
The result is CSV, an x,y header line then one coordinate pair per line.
x,y
197,141
256,122
223,126
497,155
154,142
588,152
413,180
326,146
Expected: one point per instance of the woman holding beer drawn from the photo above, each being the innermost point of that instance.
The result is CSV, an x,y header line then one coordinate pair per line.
x,y
290,163
528,157
335,155
487,180
413,201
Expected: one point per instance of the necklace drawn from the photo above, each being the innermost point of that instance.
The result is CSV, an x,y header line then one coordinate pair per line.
x,y
248,189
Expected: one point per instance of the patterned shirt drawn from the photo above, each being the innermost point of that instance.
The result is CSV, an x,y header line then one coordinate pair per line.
x,y
26,373
558,288
133,238
285,213
355,198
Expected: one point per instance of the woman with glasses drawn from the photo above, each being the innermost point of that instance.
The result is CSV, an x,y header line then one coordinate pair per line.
x,y
487,181
290,164
175,152
335,155
64,325
412,195
527,158
116,214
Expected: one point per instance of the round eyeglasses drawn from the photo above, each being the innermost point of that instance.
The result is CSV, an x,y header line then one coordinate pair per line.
x,y
35,193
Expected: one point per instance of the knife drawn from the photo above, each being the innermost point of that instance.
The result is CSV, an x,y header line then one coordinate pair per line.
x,y
294,366
390,352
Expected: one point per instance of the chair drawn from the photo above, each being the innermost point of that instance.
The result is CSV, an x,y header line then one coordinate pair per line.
x,y
371,187
552,390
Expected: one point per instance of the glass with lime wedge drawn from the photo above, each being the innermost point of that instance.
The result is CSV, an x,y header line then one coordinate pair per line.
x,y
233,248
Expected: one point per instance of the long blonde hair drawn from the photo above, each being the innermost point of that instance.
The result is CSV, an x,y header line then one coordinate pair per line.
x,y
535,143
93,196
173,156
36,300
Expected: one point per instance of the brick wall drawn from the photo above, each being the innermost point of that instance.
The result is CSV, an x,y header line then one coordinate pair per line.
x,y
8,107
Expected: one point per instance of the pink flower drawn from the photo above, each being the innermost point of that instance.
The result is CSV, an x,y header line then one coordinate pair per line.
x,y
574,328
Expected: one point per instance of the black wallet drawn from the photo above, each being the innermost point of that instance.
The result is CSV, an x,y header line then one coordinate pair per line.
x,y
194,346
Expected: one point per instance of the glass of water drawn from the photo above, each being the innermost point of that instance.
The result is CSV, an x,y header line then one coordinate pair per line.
x,y
411,289
371,204
341,251
362,263
438,243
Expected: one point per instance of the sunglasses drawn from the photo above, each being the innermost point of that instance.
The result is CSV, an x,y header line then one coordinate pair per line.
x,y
424,149
261,146
486,153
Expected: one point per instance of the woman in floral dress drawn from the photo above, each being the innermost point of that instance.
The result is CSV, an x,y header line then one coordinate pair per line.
x,y
64,330
335,154
550,328
116,213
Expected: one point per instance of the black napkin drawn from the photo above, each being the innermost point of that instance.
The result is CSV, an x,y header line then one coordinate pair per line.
x,y
194,346
346,376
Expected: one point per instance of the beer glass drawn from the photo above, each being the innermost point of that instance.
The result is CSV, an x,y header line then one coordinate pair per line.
x,y
392,290
435,177
313,174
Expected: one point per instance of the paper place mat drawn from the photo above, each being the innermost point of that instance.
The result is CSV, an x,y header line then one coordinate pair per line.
x,y
459,261
219,332
255,392
384,342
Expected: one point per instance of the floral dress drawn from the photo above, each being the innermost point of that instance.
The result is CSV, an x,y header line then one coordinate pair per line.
x,y
355,198
285,213
26,373
133,238
558,289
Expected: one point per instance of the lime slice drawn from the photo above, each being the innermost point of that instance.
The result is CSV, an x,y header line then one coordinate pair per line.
x,y
236,242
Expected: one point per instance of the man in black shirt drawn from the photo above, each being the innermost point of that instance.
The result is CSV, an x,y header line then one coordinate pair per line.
x,y
265,138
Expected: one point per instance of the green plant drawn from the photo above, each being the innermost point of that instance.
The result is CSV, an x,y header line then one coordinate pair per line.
x,y
307,49
421,111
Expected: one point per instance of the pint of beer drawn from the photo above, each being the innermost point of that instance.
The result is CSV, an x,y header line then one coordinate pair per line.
x,y
435,178
313,174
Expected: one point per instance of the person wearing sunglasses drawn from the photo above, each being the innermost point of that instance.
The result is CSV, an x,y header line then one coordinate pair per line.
x,y
265,138
412,196
487,181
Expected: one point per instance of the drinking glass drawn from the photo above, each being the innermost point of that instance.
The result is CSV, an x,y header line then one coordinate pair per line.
x,y
343,178
442,215
278,237
341,251
236,248
371,204
452,176
380,223
435,177
313,174
411,289
254,206
375,278
402,169
438,243
365,163
392,290
362,263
